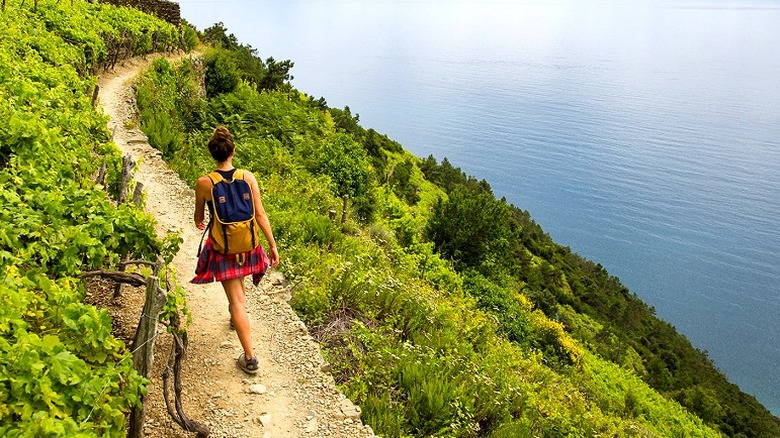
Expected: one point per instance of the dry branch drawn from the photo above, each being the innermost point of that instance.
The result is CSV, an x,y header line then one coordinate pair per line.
x,y
131,278
178,350
137,262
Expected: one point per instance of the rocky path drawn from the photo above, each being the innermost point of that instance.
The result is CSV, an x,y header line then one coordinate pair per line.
x,y
293,395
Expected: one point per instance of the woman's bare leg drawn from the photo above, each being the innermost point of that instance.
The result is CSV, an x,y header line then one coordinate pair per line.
x,y
234,289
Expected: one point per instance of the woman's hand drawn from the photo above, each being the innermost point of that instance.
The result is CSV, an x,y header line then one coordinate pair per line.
x,y
273,256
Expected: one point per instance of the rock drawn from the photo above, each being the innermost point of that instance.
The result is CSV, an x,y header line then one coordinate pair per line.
x,y
351,411
265,420
257,388
226,344
276,278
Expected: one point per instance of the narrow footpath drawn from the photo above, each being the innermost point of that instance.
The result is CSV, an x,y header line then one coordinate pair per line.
x,y
293,395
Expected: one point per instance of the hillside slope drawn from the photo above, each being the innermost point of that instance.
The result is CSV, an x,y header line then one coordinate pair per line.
x,y
430,293
405,333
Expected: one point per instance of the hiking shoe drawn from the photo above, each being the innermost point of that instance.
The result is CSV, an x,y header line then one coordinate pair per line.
x,y
249,366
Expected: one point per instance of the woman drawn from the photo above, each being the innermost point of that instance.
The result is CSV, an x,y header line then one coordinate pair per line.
x,y
230,269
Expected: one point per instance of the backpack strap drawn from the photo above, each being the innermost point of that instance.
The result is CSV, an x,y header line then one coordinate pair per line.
x,y
215,178
200,245
239,174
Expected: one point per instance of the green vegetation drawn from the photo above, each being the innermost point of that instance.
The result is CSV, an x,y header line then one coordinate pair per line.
x,y
443,310
62,373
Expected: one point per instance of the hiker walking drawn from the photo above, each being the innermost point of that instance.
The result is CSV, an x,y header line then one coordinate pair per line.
x,y
232,250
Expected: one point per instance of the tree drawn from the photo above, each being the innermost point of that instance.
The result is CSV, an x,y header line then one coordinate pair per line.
x,y
276,74
448,177
471,227
250,65
345,121
345,162
217,36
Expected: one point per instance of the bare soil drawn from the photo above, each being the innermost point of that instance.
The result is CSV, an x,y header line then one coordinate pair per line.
x,y
294,394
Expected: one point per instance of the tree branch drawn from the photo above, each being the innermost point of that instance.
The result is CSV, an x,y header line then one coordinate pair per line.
x,y
131,278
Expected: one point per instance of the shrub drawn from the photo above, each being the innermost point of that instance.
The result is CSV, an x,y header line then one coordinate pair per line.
x,y
189,36
222,74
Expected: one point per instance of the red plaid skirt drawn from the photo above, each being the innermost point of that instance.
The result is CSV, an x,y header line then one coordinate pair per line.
x,y
213,265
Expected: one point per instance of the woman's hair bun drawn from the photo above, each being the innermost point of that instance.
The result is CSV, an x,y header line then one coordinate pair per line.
x,y
221,143
221,132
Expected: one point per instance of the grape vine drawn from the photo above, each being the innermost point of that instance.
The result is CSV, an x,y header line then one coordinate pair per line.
x,y
62,373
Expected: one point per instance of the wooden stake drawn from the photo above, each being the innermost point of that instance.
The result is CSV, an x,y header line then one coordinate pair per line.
x,y
143,344
127,169
101,177
95,95
139,189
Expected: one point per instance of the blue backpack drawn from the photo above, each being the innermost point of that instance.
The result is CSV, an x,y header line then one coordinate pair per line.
x,y
233,227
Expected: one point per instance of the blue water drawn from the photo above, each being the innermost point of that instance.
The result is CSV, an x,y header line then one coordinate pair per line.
x,y
644,135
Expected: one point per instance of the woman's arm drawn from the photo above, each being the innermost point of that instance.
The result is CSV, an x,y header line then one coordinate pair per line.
x,y
202,194
262,219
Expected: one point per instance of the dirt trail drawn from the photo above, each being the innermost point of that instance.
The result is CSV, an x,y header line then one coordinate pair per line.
x,y
293,395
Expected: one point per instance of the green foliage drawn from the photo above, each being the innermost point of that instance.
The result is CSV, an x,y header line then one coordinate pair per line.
x,y
344,161
449,177
277,74
345,121
62,373
401,180
217,36
222,74
445,311
174,101
175,309
95,32
189,36
470,227
236,60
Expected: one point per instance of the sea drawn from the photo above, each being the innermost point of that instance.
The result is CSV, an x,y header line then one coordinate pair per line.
x,y
644,135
